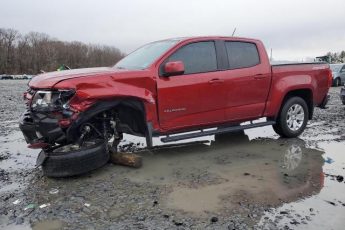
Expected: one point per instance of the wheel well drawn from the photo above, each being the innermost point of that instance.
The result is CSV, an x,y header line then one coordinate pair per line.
x,y
131,113
306,95
132,117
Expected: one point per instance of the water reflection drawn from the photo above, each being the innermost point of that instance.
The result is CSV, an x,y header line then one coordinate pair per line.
x,y
233,169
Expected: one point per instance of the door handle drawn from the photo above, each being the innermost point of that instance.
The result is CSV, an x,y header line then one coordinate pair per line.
x,y
259,76
216,80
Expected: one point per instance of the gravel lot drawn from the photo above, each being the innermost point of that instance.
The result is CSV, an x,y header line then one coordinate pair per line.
x,y
250,180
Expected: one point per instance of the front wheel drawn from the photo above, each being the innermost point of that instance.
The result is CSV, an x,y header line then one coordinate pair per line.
x,y
72,160
293,118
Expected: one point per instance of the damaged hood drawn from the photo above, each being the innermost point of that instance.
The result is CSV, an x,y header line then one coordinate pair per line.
x,y
48,80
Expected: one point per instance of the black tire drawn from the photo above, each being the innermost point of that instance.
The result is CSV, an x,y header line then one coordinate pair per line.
x,y
282,128
337,82
61,163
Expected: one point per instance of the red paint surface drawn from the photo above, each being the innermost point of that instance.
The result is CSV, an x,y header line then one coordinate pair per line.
x,y
197,100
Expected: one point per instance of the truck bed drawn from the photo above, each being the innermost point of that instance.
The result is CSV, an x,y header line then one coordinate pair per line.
x,y
313,75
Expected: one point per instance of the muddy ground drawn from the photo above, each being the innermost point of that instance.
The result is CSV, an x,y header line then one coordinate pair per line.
x,y
250,180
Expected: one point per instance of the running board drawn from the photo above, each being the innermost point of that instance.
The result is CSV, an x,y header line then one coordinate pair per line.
x,y
217,131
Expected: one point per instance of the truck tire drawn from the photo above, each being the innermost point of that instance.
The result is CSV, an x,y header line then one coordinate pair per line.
x,y
65,162
337,82
293,118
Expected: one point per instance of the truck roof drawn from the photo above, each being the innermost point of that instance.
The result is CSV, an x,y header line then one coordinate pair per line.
x,y
198,38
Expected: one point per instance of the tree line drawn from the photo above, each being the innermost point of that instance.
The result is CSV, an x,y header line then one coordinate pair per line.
x,y
35,52
336,57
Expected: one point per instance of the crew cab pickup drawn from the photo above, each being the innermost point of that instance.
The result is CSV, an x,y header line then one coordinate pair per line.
x,y
168,88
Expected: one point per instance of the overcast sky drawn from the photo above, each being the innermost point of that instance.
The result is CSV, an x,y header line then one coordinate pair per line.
x,y
294,29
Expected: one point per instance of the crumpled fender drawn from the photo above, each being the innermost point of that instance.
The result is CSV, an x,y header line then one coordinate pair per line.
x,y
96,88
117,89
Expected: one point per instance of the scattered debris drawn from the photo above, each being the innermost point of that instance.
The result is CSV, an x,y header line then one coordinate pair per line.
x,y
54,191
330,202
44,205
16,202
214,219
340,178
177,223
329,160
87,205
30,206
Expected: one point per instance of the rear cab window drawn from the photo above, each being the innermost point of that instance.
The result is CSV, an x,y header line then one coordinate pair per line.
x,y
242,54
198,57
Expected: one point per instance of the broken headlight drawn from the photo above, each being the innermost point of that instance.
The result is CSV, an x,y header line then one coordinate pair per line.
x,y
51,100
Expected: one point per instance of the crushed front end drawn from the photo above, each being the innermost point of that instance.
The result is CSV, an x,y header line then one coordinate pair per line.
x,y
53,123
47,117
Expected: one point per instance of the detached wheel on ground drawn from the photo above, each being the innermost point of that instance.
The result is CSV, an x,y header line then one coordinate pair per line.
x,y
293,118
72,160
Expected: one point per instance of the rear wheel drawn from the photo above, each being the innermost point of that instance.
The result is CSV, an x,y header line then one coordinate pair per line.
x,y
293,118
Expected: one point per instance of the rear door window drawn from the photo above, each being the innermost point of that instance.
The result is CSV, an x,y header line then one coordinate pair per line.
x,y
198,57
242,54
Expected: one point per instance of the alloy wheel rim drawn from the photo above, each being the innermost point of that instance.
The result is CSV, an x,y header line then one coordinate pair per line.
x,y
295,117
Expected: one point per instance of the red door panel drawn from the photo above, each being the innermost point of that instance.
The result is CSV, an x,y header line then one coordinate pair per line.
x,y
246,92
191,100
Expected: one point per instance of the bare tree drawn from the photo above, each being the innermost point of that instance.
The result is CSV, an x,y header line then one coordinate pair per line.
x,y
34,51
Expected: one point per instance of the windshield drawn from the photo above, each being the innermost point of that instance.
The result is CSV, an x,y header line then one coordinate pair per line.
x,y
335,68
145,56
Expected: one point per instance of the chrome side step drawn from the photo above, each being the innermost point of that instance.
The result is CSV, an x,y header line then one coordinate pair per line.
x,y
202,133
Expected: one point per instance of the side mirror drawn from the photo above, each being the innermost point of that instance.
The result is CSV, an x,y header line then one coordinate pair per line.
x,y
173,68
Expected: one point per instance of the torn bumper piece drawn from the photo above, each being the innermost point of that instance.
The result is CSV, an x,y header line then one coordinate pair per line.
x,y
40,130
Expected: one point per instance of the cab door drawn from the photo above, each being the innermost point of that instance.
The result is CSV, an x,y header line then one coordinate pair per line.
x,y
196,97
247,81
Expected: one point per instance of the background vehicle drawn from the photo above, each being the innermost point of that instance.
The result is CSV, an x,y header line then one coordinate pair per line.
x,y
6,77
342,95
166,88
338,73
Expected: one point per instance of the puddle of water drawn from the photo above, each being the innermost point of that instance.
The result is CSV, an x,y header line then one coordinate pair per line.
x,y
232,169
324,137
18,227
48,225
317,211
217,175
20,157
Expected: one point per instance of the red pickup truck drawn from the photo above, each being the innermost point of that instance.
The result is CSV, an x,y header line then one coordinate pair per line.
x,y
167,88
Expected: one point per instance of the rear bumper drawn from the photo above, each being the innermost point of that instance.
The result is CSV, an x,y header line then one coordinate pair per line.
x,y
40,130
342,95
